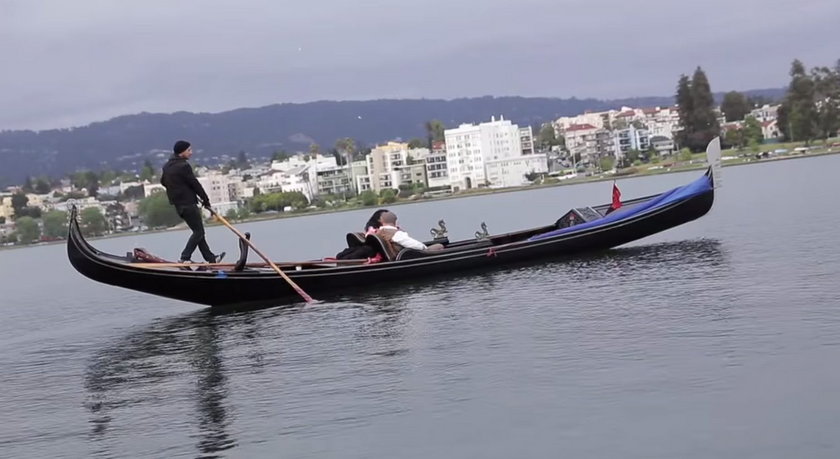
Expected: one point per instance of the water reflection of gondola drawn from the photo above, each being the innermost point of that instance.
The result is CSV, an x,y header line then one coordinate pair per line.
x,y
145,369
701,256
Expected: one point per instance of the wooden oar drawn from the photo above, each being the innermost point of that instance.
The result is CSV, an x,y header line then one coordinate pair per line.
x,y
295,286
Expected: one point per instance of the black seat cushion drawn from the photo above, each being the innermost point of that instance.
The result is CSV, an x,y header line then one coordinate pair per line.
x,y
355,239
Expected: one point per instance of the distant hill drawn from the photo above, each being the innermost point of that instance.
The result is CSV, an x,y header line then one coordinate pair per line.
x,y
127,141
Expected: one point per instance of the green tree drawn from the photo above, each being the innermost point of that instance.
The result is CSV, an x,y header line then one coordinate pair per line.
x,y
29,211
752,131
242,161
416,143
27,230
108,177
346,147
435,132
156,211
55,224
685,108
133,193
147,172
685,154
91,183
42,185
798,117
547,136
314,150
280,155
28,186
705,121
735,138
244,213
734,106
606,163
368,198
232,214
827,93
92,221
387,196
19,201
633,155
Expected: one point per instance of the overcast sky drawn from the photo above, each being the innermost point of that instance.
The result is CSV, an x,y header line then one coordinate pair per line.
x,y
68,63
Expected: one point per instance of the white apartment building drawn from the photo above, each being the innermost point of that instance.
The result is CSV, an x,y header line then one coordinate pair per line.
x,y
582,139
630,139
662,122
469,146
150,188
765,113
216,186
770,130
383,163
313,161
334,181
6,209
437,173
526,140
599,120
508,172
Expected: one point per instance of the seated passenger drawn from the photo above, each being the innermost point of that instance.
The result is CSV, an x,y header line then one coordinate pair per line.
x,y
398,239
374,223
361,251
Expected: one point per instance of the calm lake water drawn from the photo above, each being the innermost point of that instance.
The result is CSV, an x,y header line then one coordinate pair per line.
x,y
717,339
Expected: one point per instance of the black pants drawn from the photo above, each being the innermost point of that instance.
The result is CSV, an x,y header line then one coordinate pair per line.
x,y
192,215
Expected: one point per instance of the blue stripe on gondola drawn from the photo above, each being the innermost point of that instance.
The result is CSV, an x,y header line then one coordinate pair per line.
x,y
697,187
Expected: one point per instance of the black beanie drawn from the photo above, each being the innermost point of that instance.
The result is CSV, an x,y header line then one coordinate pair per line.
x,y
180,146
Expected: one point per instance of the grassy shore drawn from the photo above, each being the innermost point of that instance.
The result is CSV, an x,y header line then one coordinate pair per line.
x,y
698,161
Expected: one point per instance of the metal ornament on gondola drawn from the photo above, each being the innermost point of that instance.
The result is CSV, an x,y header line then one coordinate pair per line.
x,y
483,234
440,232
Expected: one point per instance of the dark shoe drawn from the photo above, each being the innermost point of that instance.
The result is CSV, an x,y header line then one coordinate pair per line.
x,y
185,268
219,257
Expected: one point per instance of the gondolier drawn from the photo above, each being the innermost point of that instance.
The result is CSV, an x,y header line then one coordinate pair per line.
x,y
184,191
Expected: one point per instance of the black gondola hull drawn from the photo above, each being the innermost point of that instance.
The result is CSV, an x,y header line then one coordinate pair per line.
x,y
220,288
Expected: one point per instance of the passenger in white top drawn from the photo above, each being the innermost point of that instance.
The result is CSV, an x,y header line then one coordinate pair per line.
x,y
390,232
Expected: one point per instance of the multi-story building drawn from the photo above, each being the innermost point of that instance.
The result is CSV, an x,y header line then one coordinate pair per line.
x,y
410,174
770,130
631,139
582,141
6,209
663,145
469,146
437,174
382,164
765,113
600,120
526,140
334,180
216,186
662,122
508,172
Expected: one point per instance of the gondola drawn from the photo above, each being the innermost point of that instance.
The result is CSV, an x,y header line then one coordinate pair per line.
x,y
580,230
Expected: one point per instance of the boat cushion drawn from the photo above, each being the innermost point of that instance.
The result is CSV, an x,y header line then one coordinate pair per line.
x,y
355,239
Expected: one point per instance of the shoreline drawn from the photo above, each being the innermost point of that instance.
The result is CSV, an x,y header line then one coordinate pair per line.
x,y
482,192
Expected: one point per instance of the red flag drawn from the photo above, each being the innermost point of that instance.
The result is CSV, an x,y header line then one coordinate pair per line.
x,y
616,199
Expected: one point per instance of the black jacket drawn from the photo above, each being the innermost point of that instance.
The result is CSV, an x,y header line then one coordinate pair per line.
x,y
182,188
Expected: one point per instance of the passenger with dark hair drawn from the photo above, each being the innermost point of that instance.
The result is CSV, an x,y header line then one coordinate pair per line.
x,y
362,251
375,222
